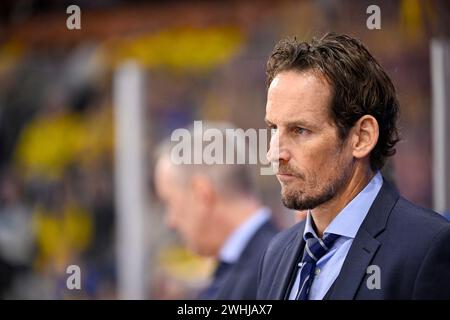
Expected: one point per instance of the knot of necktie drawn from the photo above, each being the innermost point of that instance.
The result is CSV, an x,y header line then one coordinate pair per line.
x,y
316,248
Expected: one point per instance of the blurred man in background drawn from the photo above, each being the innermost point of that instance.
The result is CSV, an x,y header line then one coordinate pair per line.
x,y
217,212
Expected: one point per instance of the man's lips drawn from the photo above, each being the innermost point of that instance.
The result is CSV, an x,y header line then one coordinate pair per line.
x,y
285,176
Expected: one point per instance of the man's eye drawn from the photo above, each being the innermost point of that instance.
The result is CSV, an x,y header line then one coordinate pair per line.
x,y
301,130
272,128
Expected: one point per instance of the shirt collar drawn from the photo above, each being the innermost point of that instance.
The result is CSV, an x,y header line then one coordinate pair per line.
x,y
237,241
348,221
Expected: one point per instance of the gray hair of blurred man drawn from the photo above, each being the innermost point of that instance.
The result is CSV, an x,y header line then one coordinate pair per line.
x,y
230,180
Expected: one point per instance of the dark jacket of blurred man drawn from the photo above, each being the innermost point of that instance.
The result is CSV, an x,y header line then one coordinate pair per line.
x,y
217,213
333,112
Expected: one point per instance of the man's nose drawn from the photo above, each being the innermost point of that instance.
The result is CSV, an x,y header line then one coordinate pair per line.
x,y
278,152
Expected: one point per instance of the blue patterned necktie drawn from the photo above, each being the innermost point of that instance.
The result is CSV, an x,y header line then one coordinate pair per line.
x,y
315,248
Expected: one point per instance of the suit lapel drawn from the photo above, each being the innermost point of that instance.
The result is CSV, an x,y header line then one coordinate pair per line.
x,y
364,246
288,264
354,269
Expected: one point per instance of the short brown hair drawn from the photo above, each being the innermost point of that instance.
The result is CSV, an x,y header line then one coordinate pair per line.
x,y
360,85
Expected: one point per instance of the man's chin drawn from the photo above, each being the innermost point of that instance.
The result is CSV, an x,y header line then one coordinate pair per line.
x,y
293,202
301,203
295,205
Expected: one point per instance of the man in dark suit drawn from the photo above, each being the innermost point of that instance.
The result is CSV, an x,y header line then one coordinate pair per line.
x,y
216,210
333,112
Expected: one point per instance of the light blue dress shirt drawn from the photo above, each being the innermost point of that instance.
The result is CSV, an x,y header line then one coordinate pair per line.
x,y
239,238
346,224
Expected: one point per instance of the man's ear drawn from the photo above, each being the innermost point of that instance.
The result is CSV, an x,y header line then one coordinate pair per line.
x,y
203,190
365,135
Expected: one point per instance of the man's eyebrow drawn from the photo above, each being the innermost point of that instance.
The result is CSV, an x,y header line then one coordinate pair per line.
x,y
295,123
268,122
299,123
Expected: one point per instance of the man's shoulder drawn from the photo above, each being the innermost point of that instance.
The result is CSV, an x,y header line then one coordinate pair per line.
x,y
414,228
415,217
258,243
402,217
268,229
281,239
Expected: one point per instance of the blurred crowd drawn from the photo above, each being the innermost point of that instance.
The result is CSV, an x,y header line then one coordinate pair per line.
x,y
57,194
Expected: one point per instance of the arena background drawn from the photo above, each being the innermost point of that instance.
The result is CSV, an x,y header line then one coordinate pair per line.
x,y
175,62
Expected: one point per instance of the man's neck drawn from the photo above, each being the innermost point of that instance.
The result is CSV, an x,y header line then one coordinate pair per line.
x,y
326,212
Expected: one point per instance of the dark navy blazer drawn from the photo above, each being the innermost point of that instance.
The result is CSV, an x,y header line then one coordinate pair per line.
x,y
409,244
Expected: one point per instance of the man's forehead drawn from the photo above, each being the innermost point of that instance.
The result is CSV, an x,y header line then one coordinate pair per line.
x,y
298,96
295,80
